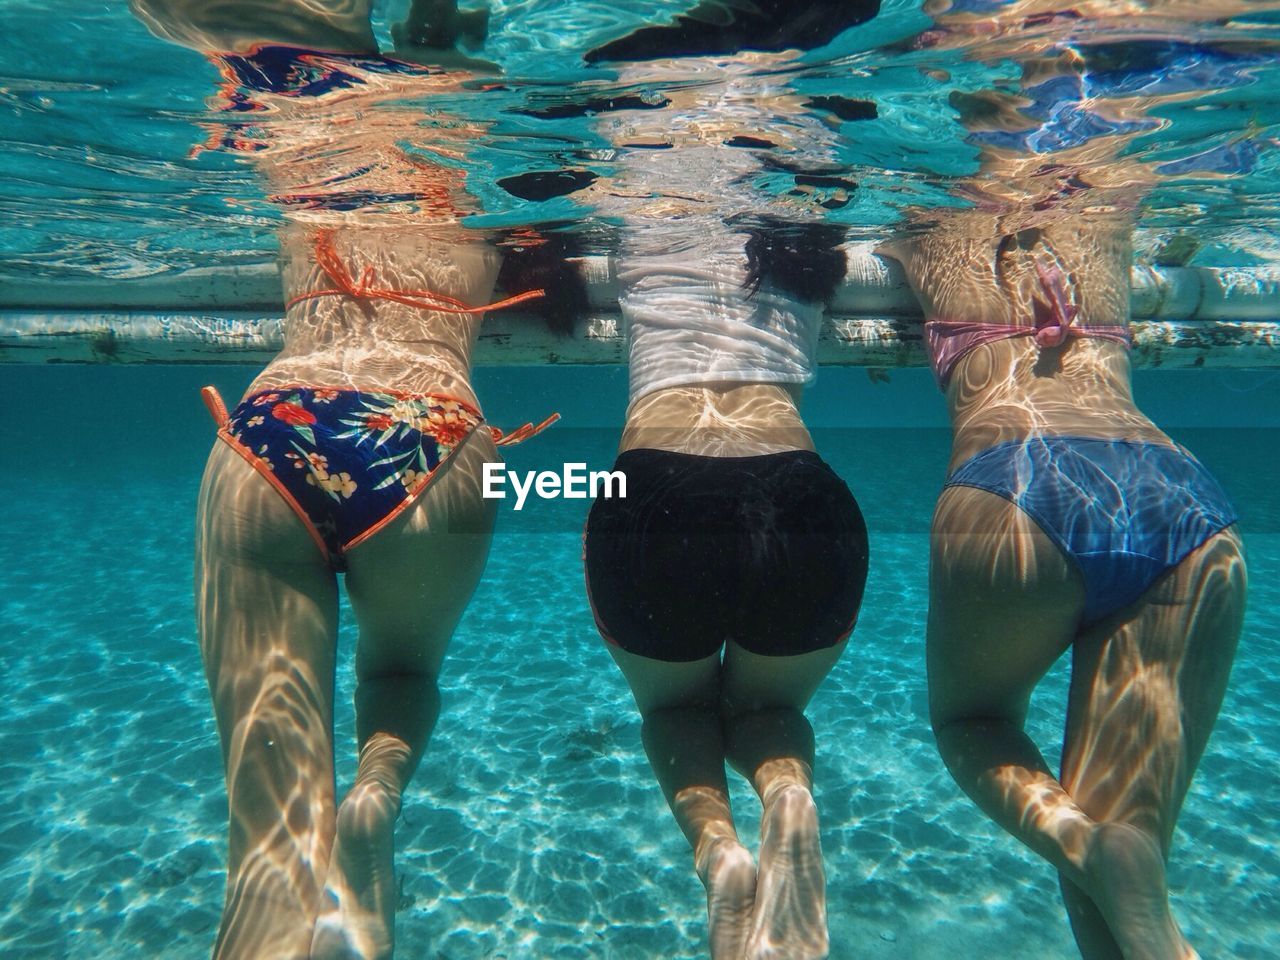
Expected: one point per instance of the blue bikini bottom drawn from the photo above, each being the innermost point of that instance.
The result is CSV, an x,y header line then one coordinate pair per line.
x,y
1125,512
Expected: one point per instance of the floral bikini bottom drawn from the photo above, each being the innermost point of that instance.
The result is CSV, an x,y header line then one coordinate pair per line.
x,y
347,461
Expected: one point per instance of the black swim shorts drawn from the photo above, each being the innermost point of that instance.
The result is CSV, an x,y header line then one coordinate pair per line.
x,y
769,552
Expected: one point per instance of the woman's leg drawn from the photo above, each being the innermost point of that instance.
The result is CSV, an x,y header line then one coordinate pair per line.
x,y
409,585
1004,603
680,704
770,742
1145,693
266,608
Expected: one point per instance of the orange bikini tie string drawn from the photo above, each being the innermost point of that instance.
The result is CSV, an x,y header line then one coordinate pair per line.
x,y
520,434
217,409
347,286
363,288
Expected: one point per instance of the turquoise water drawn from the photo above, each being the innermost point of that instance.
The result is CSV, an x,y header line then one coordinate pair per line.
x,y
105,178
533,828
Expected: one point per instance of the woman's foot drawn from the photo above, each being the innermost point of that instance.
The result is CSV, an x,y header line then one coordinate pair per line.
x,y
330,940
729,874
790,921
1126,877
358,922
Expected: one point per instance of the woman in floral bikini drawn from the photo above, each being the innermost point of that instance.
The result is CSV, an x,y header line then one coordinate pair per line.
x,y
359,449
374,474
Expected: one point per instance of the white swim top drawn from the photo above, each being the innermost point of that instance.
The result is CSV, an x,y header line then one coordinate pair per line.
x,y
690,319
683,263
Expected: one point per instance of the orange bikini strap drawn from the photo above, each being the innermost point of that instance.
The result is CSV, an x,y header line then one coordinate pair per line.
x,y
217,409
346,285
521,434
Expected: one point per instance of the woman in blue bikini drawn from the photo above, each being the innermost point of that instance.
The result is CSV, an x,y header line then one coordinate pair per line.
x,y
1070,521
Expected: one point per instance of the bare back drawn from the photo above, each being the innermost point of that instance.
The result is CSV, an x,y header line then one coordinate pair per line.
x,y
340,341
717,419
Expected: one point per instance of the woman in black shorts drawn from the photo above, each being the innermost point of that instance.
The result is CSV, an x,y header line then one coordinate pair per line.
x,y
728,579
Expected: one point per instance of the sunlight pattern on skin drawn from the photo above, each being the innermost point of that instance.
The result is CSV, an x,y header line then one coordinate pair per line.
x,y
271,677
790,920
1157,686
1130,747
1144,696
1006,601
694,780
360,886
736,420
1044,808
725,867
303,877
418,347
1004,390
275,717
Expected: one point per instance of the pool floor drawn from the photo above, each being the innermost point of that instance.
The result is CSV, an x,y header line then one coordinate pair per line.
x,y
533,828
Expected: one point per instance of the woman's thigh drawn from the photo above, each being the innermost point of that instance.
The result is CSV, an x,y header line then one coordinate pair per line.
x,y
753,681
1004,602
1146,687
410,583
664,685
267,616
266,600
